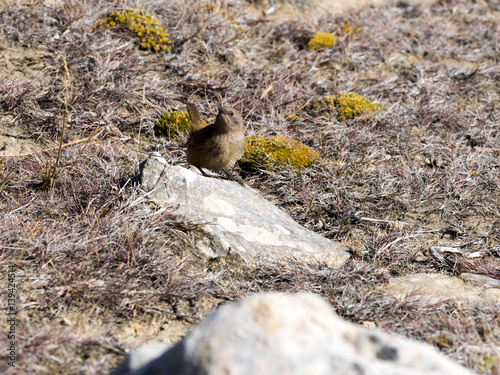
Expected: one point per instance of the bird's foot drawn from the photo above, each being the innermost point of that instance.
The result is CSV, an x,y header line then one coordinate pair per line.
x,y
228,176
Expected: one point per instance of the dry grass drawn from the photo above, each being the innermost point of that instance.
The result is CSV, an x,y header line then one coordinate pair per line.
x,y
92,253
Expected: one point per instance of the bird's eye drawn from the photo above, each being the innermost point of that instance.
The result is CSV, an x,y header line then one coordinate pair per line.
x,y
231,113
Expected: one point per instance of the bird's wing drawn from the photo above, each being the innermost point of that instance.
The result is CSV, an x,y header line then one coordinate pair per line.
x,y
201,138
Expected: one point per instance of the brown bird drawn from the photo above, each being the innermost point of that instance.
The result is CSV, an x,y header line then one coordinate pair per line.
x,y
216,146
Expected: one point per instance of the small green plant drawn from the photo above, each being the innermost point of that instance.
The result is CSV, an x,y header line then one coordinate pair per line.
x,y
278,153
349,104
322,40
173,124
292,117
141,23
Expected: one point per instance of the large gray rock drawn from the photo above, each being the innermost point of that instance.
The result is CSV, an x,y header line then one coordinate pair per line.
x,y
277,333
235,220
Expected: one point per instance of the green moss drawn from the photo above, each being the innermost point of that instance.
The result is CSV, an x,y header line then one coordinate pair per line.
x,y
349,104
173,124
322,40
278,153
292,117
141,23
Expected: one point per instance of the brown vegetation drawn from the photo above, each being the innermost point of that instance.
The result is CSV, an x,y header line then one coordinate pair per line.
x,y
100,270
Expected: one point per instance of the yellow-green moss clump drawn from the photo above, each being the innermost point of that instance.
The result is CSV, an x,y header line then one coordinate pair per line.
x,y
141,23
278,153
322,40
349,105
173,124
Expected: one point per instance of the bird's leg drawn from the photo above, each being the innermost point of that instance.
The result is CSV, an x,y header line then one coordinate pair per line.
x,y
204,173
228,174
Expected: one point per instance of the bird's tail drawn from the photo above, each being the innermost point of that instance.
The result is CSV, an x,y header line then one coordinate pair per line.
x,y
196,121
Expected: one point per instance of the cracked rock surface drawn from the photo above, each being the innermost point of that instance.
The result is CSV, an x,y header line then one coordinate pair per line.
x,y
235,220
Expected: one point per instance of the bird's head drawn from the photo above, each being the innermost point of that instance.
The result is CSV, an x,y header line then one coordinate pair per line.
x,y
229,119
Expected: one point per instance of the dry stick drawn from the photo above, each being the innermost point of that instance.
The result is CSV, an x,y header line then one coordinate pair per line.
x,y
316,120
140,125
383,248
360,218
20,208
66,83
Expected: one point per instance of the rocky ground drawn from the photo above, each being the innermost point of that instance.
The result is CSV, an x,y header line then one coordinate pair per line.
x,y
413,191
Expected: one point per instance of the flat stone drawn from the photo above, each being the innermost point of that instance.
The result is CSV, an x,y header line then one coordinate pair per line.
x,y
436,287
234,220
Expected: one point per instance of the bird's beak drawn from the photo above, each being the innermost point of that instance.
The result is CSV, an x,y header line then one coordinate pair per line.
x,y
222,110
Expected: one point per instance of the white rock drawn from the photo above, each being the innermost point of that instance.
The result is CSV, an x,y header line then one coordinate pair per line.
x,y
277,333
237,221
